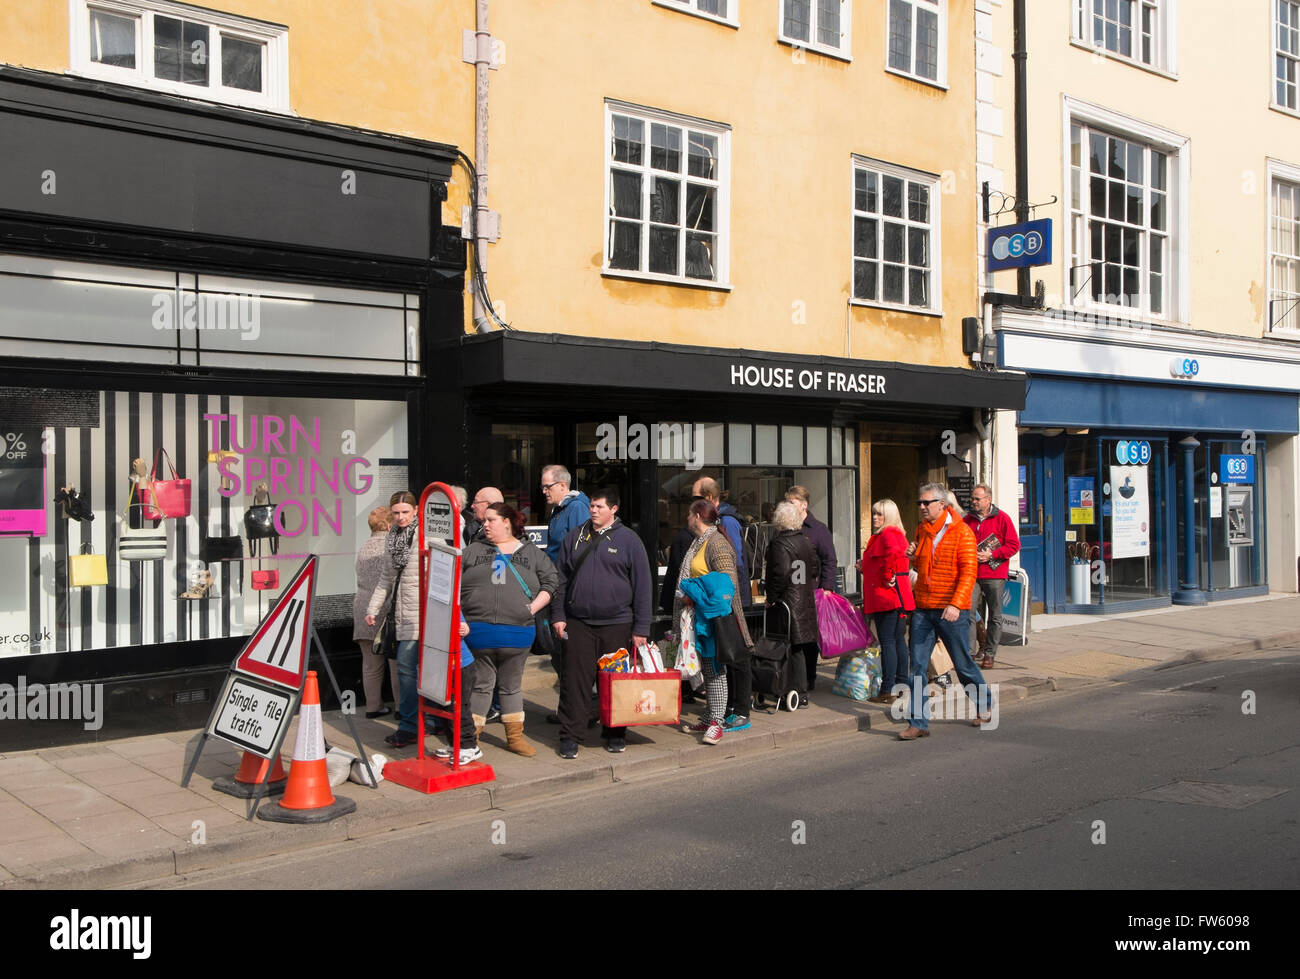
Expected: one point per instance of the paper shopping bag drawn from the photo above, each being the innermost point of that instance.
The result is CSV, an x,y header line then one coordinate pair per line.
x,y
634,699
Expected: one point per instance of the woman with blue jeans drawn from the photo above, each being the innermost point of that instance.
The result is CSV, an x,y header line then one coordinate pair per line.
x,y
402,572
887,595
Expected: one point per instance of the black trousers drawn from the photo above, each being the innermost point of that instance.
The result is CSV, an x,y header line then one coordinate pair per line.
x,y
587,644
740,688
803,664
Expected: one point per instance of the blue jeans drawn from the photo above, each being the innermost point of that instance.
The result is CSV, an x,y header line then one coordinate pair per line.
x,y
926,623
891,630
408,680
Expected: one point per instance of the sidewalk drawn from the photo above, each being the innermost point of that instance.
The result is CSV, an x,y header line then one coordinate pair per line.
x,y
114,813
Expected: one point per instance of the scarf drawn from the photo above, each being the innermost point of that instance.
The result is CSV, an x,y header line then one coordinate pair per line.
x,y
399,544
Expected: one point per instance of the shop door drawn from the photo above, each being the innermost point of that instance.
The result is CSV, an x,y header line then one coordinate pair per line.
x,y
1035,516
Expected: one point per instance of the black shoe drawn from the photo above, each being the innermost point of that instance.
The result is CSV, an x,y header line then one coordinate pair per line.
x,y
803,701
493,714
400,739
615,746
382,712
568,749
552,718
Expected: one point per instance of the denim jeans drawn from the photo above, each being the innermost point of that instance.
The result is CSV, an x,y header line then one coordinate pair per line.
x,y
408,680
891,630
926,623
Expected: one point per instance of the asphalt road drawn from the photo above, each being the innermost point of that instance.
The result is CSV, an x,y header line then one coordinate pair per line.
x,y
1163,782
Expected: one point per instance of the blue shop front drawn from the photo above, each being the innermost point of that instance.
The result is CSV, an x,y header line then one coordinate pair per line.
x,y
1143,462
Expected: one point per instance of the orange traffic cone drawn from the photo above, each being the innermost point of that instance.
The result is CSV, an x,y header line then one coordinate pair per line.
x,y
308,797
252,770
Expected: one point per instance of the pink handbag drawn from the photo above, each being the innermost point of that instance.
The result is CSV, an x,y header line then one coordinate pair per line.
x,y
162,498
840,627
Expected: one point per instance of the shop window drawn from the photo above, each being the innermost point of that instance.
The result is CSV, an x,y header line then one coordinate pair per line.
x,y
1141,31
918,39
325,464
724,11
61,309
184,50
824,26
518,454
1284,251
1125,205
667,185
895,237
1286,54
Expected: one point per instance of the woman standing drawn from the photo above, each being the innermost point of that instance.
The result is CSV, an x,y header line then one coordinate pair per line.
x,y
370,567
710,552
505,581
887,595
793,571
400,574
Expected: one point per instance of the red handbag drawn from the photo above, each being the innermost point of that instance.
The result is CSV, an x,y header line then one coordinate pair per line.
x,y
162,498
266,580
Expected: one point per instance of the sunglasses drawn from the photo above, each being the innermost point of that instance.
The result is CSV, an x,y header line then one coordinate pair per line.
x,y
927,502
546,487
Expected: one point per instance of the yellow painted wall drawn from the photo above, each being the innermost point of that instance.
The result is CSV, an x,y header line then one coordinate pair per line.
x,y
394,67
1220,99
794,129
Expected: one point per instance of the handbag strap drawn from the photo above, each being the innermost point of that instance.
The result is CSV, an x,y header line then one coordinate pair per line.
x,y
160,451
515,571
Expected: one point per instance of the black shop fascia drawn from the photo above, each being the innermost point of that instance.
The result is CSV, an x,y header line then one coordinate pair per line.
x,y
649,418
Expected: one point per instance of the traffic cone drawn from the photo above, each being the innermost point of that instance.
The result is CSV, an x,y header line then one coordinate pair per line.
x,y
308,797
244,783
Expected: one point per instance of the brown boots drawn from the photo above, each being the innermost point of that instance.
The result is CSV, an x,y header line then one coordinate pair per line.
x,y
515,735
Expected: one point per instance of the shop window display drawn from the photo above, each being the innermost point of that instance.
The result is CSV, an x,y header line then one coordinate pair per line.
x,y
184,556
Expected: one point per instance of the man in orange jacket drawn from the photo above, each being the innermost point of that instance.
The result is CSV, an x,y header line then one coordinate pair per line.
x,y
944,559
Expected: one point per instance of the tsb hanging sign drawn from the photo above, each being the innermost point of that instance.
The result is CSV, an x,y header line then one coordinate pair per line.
x,y
1020,246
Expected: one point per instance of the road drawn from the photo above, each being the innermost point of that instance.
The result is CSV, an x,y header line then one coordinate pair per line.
x,y
1182,778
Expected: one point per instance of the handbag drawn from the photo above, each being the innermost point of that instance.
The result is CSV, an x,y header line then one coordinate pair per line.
x,y
687,661
87,568
840,627
164,498
906,601
141,543
385,643
545,643
259,524
728,641
227,548
266,580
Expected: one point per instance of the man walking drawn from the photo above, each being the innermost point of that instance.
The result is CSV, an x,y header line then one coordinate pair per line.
x,y
943,556
603,604
996,542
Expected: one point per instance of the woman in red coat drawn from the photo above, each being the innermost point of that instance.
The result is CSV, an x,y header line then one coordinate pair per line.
x,y
887,595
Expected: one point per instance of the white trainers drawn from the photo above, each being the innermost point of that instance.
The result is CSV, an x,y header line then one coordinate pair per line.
x,y
467,755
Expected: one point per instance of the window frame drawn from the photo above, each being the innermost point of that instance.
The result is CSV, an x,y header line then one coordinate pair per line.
x,y
883,168
691,7
274,39
844,51
1177,148
1164,59
1277,53
1279,172
941,79
722,182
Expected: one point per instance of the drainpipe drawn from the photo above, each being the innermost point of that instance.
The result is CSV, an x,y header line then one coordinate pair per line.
x,y
483,61
1020,55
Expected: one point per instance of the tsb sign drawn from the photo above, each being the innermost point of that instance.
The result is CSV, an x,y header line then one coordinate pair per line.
x,y
1184,367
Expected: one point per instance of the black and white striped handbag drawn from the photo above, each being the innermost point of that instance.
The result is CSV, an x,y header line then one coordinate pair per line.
x,y
145,543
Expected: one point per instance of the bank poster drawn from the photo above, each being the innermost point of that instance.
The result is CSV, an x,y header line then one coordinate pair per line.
x,y
1082,493
1130,525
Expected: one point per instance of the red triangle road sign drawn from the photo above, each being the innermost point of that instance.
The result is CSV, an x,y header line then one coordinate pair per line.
x,y
277,651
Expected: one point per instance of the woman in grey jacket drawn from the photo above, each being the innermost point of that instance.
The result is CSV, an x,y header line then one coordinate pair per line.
x,y
402,572
505,581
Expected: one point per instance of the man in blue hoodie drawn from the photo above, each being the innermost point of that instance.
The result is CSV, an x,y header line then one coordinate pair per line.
x,y
603,603
569,508
729,520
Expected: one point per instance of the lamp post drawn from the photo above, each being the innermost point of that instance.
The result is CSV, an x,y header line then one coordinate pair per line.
x,y
1189,593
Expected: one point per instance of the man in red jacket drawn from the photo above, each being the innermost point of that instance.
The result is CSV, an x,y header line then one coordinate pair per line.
x,y
996,543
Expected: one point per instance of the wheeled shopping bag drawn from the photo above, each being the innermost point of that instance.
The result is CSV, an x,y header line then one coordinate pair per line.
x,y
772,666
